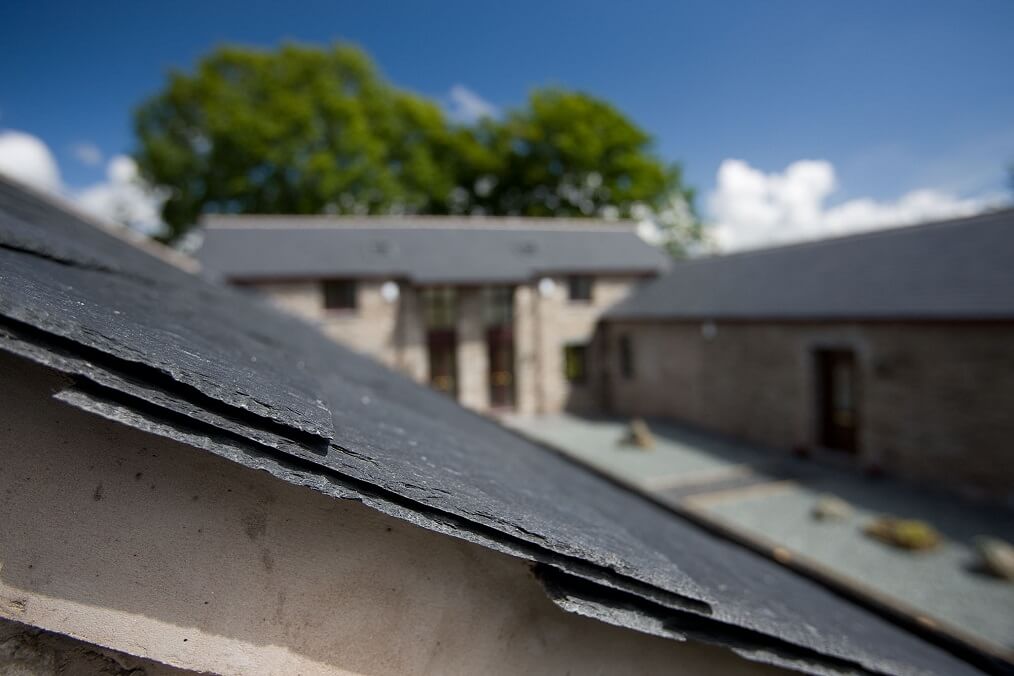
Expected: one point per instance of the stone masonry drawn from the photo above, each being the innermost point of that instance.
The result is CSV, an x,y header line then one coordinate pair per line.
x,y
393,332
930,402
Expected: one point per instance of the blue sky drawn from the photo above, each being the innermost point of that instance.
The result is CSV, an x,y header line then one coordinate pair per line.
x,y
894,95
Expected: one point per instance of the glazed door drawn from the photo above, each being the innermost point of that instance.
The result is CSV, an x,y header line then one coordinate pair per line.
x,y
500,344
442,348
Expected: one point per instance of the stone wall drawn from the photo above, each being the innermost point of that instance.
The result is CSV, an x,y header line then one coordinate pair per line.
x,y
935,398
394,334
389,331
371,328
473,357
546,321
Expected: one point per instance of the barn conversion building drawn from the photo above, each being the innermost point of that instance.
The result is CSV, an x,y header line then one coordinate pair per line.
x,y
894,347
191,481
497,312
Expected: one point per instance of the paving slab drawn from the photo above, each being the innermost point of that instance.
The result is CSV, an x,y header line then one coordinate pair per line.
x,y
769,495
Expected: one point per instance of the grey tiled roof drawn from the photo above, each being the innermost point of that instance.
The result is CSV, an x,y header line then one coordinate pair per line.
x,y
956,269
423,250
146,345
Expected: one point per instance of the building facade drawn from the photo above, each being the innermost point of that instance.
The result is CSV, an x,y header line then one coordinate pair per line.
x,y
499,314
894,349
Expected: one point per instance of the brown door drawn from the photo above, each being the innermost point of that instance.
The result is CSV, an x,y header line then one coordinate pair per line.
x,y
442,347
837,399
500,342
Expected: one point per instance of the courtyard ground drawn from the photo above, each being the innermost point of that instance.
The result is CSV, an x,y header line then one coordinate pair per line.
x,y
766,497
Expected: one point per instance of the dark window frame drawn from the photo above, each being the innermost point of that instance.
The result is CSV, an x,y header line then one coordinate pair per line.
x,y
340,295
498,305
580,288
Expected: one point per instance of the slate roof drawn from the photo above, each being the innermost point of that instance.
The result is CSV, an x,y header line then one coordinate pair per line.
x,y
955,269
424,250
148,345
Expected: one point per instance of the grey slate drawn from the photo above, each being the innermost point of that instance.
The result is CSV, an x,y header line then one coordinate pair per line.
x,y
956,269
434,250
150,346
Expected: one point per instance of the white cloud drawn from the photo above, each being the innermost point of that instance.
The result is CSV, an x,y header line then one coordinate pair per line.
x,y
87,153
467,106
28,159
122,197
751,208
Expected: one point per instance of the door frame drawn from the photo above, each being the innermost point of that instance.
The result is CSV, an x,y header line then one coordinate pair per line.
x,y
842,338
822,386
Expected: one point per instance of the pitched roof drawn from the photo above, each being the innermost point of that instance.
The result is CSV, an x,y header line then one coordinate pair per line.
x,y
960,269
425,250
149,346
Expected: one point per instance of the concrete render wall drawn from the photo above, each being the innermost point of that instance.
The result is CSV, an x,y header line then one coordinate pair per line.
x,y
155,549
394,333
935,398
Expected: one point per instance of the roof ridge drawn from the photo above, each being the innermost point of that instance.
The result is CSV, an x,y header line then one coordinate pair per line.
x,y
865,234
413,221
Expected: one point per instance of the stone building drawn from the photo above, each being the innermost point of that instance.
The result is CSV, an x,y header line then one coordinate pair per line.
x,y
894,348
193,482
496,312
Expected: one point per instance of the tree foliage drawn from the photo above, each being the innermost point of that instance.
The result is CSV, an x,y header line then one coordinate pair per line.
x,y
569,154
305,130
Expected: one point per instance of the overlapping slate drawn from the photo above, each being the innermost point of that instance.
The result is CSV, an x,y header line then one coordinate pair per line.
x,y
66,277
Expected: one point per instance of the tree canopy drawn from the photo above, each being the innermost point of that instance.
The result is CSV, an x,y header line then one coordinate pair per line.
x,y
307,130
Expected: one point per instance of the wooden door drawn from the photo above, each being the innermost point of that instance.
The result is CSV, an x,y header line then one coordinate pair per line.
x,y
837,400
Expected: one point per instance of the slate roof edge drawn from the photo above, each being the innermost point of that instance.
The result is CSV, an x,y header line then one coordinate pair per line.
x,y
411,222
150,246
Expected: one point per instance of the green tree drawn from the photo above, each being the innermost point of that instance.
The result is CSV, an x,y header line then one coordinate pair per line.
x,y
297,130
569,154
305,130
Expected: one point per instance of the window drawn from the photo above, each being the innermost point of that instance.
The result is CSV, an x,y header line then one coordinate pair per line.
x,y
575,363
579,288
439,307
339,294
498,305
626,357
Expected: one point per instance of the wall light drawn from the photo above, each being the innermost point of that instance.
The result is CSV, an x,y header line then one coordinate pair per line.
x,y
389,291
